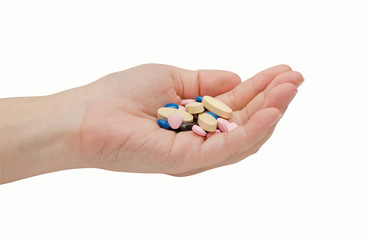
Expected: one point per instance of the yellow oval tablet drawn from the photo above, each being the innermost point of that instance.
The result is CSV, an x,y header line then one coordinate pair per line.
x,y
217,107
187,117
207,122
194,107
164,112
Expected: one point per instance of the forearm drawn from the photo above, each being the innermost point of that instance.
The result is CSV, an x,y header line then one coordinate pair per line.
x,y
36,134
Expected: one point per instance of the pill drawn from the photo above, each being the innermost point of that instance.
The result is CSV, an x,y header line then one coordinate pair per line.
x,y
164,124
198,99
187,101
231,126
194,107
190,115
207,122
198,130
187,117
212,133
187,126
212,114
164,112
217,107
223,124
172,105
175,120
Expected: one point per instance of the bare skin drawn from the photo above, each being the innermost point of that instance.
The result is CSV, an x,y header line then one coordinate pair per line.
x,y
111,123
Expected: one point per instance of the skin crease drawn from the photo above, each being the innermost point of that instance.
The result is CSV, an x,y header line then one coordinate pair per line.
x,y
111,123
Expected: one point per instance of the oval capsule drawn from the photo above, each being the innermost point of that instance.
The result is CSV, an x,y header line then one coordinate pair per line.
x,y
187,101
187,126
198,99
223,124
172,105
164,124
198,130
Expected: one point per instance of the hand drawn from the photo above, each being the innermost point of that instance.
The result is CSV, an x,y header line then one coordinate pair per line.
x,y
119,130
111,123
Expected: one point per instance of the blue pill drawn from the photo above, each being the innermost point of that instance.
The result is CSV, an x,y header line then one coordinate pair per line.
x,y
213,114
198,99
164,124
172,105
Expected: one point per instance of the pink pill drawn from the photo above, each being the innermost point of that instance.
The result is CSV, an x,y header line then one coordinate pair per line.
x,y
175,120
182,108
210,134
186,101
198,130
222,124
232,126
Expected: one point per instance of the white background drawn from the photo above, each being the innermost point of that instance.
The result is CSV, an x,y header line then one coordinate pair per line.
x,y
309,181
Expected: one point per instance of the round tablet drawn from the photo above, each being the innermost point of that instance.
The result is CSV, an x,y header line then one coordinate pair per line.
x,y
217,107
207,122
194,107
212,114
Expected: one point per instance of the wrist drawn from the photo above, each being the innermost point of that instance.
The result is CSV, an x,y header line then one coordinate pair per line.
x,y
37,134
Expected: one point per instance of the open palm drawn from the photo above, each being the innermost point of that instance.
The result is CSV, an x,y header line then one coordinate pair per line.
x,y
119,130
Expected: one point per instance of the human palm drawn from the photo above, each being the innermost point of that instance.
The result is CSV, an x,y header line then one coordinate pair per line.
x,y
119,130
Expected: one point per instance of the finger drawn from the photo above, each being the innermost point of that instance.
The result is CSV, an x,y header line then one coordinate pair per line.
x,y
221,146
230,160
190,84
279,97
245,154
287,77
246,91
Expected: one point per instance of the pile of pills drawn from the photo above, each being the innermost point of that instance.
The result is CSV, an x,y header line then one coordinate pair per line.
x,y
205,116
